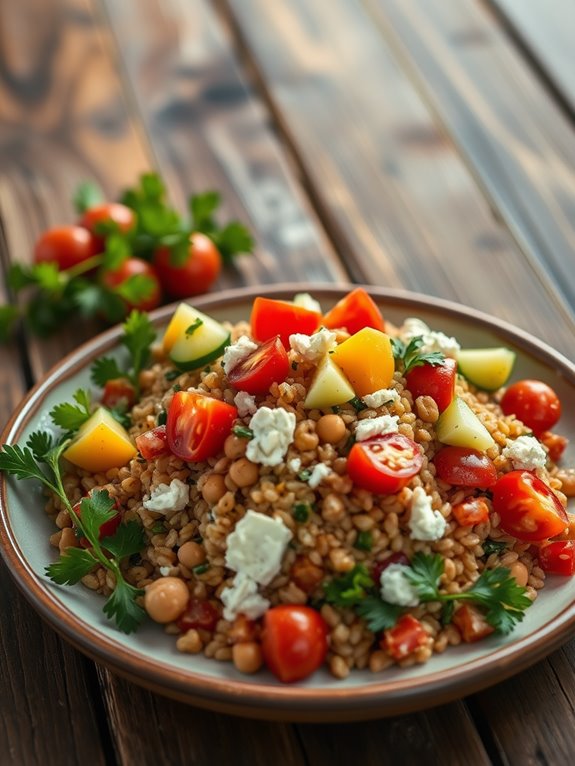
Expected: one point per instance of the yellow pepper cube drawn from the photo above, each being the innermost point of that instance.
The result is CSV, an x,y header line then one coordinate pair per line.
x,y
367,360
101,443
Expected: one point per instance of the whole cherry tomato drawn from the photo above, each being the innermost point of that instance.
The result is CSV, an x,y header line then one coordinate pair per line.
x,y
435,380
355,311
266,365
196,275
465,466
108,216
198,425
133,267
534,403
270,318
294,641
66,246
528,508
154,443
384,464
558,557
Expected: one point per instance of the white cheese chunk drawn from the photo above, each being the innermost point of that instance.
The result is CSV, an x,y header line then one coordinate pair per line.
x,y
237,352
381,397
526,453
256,546
273,433
294,464
243,598
306,301
313,347
424,522
432,340
246,404
370,427
318,474
395,588
168,497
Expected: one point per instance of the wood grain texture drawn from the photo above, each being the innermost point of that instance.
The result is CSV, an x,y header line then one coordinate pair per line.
x,y
545,30
209,131
398,199
515,138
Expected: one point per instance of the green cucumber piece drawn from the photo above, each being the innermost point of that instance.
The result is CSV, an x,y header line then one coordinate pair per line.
x,y
200,346
486,368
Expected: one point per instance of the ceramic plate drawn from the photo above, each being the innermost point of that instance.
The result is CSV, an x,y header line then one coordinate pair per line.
x,y
150,657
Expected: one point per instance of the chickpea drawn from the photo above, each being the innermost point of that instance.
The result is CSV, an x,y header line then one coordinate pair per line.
x,y
330,429
214,488
235,446
191,554
247,657
243,472
519,571
166,599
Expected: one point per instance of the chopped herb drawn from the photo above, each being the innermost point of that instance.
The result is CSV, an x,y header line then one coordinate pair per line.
x,y
336,409
378,614
162,418
294,365
358,404
200,569
349,589
121,416
304,474
69,416
243,432
172,374
410,354
158,528
196,324
176,387
301,512
493,546
364,541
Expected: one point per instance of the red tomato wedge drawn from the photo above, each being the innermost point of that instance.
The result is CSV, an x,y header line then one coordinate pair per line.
x,y
270,318
465,466
528,508
198,425
435,380
294,641
118,392
154,443
472,624
535,403
384,464
354,312
407,635
558,558
266,365
472,511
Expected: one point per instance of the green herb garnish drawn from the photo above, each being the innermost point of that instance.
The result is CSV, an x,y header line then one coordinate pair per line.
x,y
357,404
493,546
243,432
364,541
410,354
196,324
200,569
349,589
301,512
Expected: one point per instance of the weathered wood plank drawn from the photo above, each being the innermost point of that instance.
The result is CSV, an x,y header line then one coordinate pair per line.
x,y
399,201
546,32
518,142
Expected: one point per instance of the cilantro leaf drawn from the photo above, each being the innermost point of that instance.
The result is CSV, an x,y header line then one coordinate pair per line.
x,y
8,317
349,589
73,564
138,287
96,510
121,606
19,277
234,238
87,195
504,599
196,324
424,574
40,442
120,415
128,539
139,334
68,416
21,463
378,614
116,251
104,369
412,356
202,209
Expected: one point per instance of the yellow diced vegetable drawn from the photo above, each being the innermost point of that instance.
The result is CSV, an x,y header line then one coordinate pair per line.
x,y
101,444
367,360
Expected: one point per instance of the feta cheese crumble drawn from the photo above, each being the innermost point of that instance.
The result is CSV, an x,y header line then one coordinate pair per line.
x,y
318,474
168,497
526,453
273,433
306,301
294,464
313,347
370,427
381,397
256,547
243,598
432,339
395,588
425,523
237,352
246,404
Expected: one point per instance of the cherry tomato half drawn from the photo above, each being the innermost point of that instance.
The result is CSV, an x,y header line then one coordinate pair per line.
x,y
294,641
196,275
558,557
407,635
384,464
528,508
534,403
108,217
266,365
471,623
154,443
118,392
435,380
198,425
270,318
133,267
472,511
465,466
355,311
66,246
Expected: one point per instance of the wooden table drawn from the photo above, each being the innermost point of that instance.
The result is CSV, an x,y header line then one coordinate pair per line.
x,y
422,144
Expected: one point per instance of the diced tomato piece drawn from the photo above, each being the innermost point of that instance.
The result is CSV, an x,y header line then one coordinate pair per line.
x,y
266,365
154,443
118,393
198,425
294,641
471,624
558,558
198,614
355,311
407,635
434,380
465,467
384,464
473,510
271,318
381,566
306,574
555,444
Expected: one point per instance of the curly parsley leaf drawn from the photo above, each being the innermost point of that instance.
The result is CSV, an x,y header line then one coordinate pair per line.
x,y
87,195
73,564
349,589
69,416
378,614
122,607
411,355
128,539
103,370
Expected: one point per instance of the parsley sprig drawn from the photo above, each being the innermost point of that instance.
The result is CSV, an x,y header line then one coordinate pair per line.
x,y
411,355
40,460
